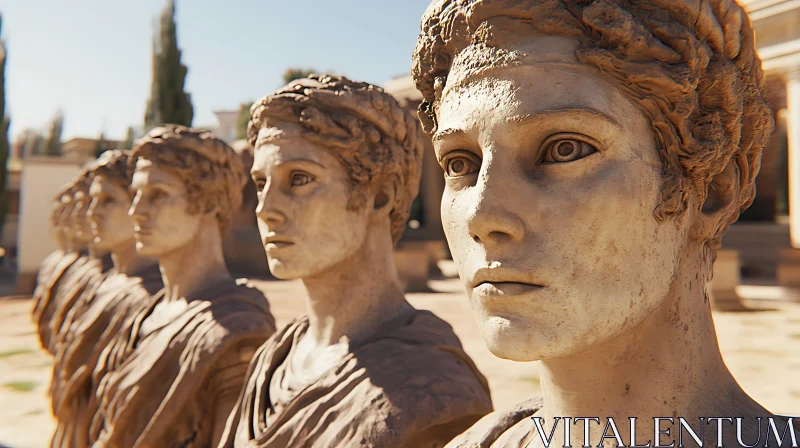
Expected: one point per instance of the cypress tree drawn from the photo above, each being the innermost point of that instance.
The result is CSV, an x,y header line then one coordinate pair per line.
x,y
4,145
168,102
243,120
296,73
53,145
102,145
129,138
33,143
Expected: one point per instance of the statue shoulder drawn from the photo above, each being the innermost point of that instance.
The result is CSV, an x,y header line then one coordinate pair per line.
x,y
494,425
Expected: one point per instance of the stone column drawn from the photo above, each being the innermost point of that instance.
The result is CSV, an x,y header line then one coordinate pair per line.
x,y
793,134
789,264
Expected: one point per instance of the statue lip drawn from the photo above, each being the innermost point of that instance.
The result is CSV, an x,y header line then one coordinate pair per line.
x,y
277,241
498,276
142,230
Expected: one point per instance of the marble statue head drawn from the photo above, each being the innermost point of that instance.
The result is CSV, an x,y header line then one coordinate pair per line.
x,y
78,219
591,148
110,194
183,179
59,208
334,159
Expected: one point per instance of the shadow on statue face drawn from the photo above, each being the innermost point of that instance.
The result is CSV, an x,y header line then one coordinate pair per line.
x,y
303,218
108,214
552,177
160,211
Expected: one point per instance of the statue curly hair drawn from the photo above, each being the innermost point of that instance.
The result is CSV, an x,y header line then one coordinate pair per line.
x,y
689,65
211,171
114,166
61,202
363,126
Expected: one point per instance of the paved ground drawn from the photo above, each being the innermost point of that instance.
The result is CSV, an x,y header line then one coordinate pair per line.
x,y
761,348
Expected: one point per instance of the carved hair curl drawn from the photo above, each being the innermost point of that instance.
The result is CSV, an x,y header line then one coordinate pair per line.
x,y
363,126
114,166
60,202
689,65
209,169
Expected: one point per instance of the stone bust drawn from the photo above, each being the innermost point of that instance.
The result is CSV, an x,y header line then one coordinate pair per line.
x,y
98,317
67,275
595,152
58,207
337,164
172,375
56,264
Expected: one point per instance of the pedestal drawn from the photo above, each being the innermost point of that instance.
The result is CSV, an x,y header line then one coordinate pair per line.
x,y
415,260
726,278
789,268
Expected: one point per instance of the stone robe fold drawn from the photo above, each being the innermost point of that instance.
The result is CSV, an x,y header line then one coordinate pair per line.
x,y
161,390
52,274
510,428
73,299
410,385
76,284
73,391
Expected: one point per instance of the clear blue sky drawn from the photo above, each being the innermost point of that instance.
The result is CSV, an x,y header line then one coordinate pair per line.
x,y
92,58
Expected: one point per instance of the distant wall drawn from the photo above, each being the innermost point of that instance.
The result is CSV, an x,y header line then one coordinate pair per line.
x,y
759,246
42,178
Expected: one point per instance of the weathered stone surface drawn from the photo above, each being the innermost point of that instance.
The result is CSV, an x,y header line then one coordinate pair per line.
x,y
595,153
337,165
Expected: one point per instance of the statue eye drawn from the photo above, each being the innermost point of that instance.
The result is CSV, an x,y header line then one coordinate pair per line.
x,y
460,165
298,179
567,150
260,184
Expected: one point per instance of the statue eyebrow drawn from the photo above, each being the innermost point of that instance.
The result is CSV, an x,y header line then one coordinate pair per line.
x,y
444,133
545,115
586,112
305,162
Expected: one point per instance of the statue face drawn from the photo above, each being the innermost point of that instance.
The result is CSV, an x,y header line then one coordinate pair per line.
x,y
160,210
302,212
108,214
62,222
78,220
552,177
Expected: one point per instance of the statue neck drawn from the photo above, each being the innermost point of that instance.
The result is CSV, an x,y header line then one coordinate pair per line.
x,y
127,261
355,297
669,364
188,270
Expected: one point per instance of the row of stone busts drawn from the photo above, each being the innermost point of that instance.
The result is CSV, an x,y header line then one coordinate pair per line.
x,y
155,344
595,152
148,330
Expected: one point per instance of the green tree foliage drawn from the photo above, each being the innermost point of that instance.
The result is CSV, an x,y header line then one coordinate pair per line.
x,y
168,102
296,73
102,145
242,120
33,143
53,145
130,136
5,122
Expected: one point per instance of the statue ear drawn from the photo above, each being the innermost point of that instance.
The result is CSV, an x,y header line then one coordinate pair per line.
x,y
384,197
722,195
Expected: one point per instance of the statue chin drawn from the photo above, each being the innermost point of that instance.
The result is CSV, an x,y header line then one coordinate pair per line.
x,y
516,341
282,270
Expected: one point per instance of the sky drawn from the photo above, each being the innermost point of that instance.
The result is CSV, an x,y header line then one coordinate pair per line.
x,y
91,59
